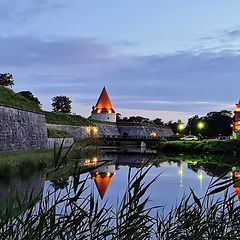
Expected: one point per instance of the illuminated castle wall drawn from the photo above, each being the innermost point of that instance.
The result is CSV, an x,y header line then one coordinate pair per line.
x,y
103,110
236,124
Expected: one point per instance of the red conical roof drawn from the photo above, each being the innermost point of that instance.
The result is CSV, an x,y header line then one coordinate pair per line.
x,y
104,103
102,181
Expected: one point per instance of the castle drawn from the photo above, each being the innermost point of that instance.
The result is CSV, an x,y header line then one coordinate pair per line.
x,y
103,110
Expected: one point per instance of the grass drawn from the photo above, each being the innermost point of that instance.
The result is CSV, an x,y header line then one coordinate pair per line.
x,y
9,98
67,119
55,133
204,146
78,214
23,163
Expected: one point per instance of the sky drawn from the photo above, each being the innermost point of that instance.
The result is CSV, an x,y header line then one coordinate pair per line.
x,y
168,59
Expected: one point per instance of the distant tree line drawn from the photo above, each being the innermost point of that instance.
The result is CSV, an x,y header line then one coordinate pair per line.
x,y
214,124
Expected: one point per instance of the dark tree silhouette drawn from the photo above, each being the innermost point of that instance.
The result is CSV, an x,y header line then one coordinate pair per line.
x,y
158,121
215,124
29,96
61,104
6,80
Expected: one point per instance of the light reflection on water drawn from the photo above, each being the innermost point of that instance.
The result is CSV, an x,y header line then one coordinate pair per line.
x,y
177,177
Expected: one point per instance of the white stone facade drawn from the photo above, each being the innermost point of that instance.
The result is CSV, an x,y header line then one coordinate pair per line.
x,y
106,117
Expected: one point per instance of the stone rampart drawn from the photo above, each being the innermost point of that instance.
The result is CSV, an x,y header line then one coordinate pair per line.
x,y
21,130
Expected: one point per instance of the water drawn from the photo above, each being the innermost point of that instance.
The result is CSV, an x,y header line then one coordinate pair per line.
x,y
177,175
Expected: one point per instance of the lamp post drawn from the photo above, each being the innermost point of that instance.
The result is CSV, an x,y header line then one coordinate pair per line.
x,y
200,126
180,127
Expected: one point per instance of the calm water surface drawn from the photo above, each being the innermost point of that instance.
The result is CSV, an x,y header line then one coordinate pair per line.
x,y
109,182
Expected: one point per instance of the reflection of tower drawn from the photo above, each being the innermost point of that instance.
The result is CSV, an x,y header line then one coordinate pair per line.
x,y
200,177
236,179
180,172
102,177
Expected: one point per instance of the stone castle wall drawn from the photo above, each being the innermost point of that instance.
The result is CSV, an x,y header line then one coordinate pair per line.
x,y
104,129
143,131
21,130
77,132
81,132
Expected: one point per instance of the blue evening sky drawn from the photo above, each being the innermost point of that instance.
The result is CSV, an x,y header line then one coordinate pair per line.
x,y
169,59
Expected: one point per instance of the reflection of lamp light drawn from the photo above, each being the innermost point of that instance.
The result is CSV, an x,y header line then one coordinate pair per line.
x,y
180,172
200,177
90,162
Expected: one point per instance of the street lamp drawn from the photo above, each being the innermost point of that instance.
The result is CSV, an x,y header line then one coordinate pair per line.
x,y
180,127
200,125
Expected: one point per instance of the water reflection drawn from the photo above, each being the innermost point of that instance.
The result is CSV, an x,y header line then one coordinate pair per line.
x,y
236,178
178,176
102,177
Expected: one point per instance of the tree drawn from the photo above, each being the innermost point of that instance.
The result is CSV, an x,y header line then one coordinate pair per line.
x,y
215,124
158,121
6,80
61,104
29,96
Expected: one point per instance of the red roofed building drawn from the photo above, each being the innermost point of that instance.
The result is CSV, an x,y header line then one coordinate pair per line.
x,y
236,124
103,110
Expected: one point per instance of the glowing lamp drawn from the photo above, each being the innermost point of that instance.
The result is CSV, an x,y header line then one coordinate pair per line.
x,y
200,125
180,127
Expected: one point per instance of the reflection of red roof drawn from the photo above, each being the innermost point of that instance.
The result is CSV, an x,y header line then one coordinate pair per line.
x,y
102,181
237,191
104,103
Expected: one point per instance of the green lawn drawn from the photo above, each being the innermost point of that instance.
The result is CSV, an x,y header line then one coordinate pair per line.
x,y
204,146
67,119
11,99
23,163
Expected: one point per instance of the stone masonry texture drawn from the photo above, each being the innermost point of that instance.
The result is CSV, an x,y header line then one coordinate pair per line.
x,y
21,130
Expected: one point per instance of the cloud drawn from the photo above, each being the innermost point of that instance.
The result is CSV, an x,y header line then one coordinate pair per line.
x,y
21,11
79,67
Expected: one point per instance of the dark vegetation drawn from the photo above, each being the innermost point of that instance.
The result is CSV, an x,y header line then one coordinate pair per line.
x,y
61,104
205,146
11,99
215,124
78,213
6,80
67,119
28,95
23,163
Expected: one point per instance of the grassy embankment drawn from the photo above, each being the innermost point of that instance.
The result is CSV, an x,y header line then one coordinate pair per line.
x,y
204,146
9,98
22,163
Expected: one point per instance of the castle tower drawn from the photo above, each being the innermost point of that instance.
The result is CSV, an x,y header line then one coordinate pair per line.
x,y
103,110
236,124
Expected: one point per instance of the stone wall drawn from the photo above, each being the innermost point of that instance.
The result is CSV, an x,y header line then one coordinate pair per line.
x,y
21,130
58,141
81,132
142,131
108,130
77,132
